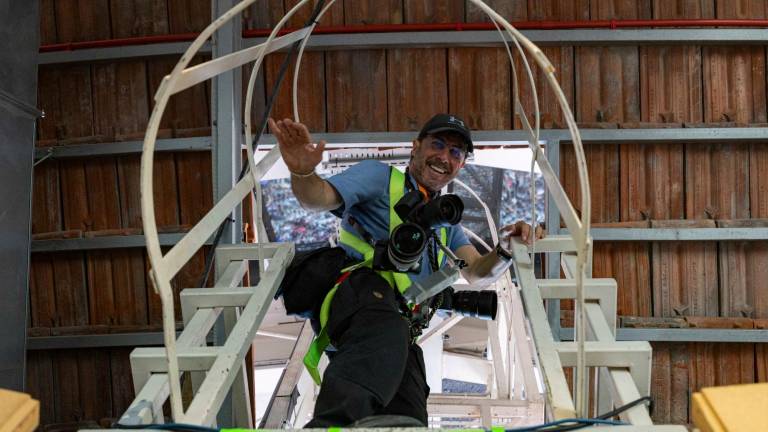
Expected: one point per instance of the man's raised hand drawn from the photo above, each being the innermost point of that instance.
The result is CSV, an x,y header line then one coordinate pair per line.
x,y
300,155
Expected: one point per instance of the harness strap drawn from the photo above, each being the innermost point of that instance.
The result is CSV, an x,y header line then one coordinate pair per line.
x,y
401,281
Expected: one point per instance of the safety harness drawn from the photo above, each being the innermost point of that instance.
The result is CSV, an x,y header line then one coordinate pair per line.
x,y
396,280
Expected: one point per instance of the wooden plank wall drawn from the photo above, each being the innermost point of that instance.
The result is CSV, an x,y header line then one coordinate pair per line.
x,y
635,185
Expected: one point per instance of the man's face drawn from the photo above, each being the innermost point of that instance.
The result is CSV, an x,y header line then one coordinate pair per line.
x,y
436,160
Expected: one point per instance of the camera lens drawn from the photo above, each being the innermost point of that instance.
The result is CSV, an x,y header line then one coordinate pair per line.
x,y
442,211
476,304
406,244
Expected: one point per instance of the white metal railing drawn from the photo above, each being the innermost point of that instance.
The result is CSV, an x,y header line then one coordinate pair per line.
x,y
164,267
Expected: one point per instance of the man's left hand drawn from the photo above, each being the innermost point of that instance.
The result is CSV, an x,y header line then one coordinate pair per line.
x,y
522,229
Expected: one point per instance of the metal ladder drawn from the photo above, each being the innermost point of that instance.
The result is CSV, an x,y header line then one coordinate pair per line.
x,y
215,369
624,367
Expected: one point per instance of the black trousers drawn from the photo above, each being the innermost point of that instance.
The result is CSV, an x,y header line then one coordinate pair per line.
x,y
376,369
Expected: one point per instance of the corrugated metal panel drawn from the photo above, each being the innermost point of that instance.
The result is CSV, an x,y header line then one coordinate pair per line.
x,y
188,16
670,382
102,196
80,380
187,113
130,287
628,263
558,10
39,383
717,181
195,186
651,181
138,18
670,79
479,87
266,13
334,16
734,84
357,91
430,11
82,20
47,22
46,198
42,294
620,9
758,184
743,273
122,383
73,195
512,10
607,84
120,100
417,87
101,291
311,89
603,169
373,12
549,107
683,9
742,9
48,127
684,274
720,364
75,104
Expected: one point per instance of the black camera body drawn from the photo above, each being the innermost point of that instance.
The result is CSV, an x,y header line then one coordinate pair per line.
x,y
403,249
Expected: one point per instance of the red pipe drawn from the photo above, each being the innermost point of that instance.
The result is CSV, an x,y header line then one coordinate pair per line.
x,y
394,28
143,40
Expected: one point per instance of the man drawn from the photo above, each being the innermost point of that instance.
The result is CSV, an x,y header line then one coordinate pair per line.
x,y
378,368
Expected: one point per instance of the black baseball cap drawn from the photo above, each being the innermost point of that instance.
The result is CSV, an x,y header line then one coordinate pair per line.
x,y
447,123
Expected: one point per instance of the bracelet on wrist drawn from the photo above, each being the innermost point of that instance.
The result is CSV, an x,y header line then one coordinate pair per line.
x,y
309,174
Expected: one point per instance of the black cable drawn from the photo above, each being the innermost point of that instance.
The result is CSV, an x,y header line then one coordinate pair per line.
x,y
604,416
257,136
632,404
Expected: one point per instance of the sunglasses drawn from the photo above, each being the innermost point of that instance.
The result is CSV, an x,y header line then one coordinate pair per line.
x,y
455,152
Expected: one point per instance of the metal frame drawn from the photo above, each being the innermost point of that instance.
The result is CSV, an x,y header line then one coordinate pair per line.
x,y
578,37
103,242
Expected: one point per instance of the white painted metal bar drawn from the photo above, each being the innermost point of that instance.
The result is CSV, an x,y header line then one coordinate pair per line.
x,y
147,406
280,410
558,393
205,405
603,290
440,329
205,71
230,278
153,360
501,365
246,251
555,243
180,254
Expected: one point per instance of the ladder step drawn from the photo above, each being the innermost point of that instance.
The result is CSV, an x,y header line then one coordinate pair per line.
x,y
594,289
555,243
232,275
217,297
610,354
153,360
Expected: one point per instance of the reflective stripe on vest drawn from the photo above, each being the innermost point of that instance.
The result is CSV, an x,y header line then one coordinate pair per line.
x,y
395,279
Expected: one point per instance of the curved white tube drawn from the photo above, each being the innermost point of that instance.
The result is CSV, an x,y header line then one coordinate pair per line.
x,y
579,231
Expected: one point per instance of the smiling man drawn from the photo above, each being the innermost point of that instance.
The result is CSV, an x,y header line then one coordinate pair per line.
x,y
377,367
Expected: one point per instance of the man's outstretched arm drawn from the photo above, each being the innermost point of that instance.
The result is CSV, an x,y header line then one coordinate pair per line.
x,y
301,156
483,270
